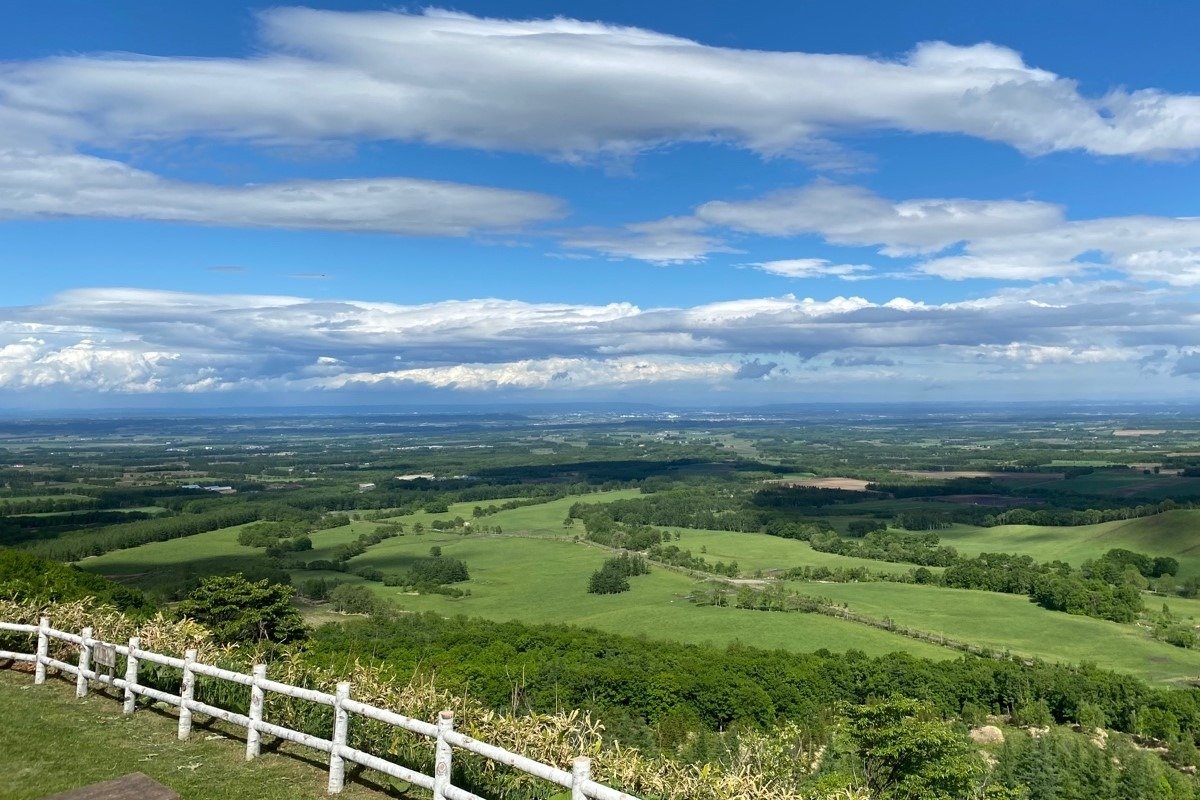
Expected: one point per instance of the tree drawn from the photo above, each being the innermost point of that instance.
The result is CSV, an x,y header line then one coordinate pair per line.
x,y
435,552
907,752
1090,716
237,610
352,599
608,581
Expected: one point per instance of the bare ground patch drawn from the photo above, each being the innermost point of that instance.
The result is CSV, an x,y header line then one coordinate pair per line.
x,y
846,484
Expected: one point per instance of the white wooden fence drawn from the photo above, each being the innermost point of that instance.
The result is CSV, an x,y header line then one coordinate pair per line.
x,y
445,738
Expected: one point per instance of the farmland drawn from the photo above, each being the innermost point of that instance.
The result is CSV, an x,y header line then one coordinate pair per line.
x,y
509,494
678,576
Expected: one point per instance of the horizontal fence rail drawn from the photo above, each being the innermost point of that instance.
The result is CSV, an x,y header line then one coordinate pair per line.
x,y
445,738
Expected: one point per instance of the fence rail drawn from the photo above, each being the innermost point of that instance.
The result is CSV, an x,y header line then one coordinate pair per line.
x,y
445,737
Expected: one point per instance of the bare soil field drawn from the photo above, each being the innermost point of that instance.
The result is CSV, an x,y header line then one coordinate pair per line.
x,y
1139,432
999,477
848,484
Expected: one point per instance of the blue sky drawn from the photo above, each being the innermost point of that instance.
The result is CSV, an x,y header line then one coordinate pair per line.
x,y
669,202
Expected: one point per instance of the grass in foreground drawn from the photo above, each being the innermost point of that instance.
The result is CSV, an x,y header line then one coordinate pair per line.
x,y
50,742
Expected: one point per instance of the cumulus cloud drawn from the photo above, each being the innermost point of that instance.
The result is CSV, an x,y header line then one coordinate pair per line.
x,y
34,184
563,374
141,340
570,89
34,364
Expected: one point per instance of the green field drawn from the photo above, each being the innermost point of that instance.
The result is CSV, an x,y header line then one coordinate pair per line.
x,y
535,573
1175,533
21,498
758,551
139,509
1134,484
542,518
217,552
165,563
533,580
1012,622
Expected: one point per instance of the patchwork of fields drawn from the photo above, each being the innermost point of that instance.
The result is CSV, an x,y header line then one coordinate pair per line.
x,y
536,571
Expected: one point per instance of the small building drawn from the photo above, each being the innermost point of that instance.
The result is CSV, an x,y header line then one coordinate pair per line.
x,y
220,489
366,487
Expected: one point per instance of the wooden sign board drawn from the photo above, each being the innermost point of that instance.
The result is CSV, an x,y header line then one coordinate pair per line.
x,y
104,655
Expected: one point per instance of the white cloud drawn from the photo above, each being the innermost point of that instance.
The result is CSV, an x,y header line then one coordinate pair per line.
x,y
813,268
952,238
1033,355
43,185
131,340
564,374
32,364
850,215
569,89
674,240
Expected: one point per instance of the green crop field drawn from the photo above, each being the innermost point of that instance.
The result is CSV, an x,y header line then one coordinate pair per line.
x,y
1012,622
1174,533
536,580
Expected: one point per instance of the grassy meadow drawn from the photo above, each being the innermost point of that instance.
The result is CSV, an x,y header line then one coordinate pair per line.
x,y
758,551
535,581
1013,623
1174,533
534,572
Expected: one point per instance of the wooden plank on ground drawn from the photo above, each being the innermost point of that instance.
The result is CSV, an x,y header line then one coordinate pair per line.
x,y
129,787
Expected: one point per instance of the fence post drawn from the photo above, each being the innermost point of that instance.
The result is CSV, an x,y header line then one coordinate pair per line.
x,y
581,772
185,695
341,721
85,662
43,651
253,737
444,756
131,670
